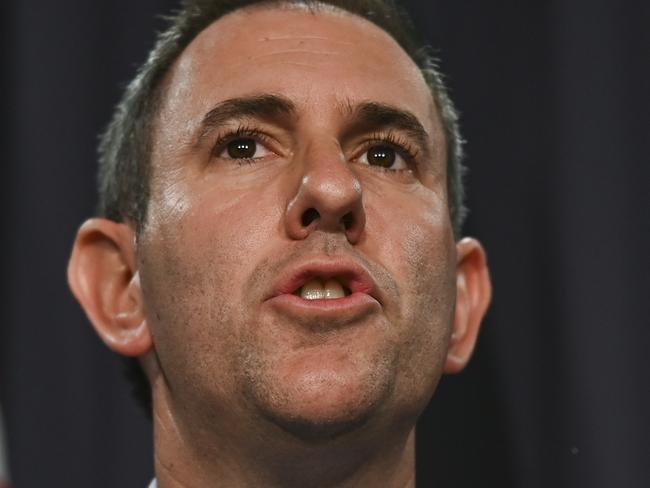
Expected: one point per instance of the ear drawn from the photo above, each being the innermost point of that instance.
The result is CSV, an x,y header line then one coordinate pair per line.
x,y
104,278
473,293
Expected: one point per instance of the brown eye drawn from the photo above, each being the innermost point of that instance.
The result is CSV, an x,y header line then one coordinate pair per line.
x,y
242,148
383,156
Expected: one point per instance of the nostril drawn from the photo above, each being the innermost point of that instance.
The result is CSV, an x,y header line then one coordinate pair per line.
x,y
309,216
347,220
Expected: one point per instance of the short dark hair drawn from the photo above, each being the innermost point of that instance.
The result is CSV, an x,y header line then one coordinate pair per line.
x,y
125,147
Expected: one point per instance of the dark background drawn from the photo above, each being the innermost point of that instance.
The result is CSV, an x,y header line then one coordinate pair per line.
x,y
555,103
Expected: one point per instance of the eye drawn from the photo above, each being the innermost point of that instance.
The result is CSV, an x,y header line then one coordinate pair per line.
x,y
384,156
244,148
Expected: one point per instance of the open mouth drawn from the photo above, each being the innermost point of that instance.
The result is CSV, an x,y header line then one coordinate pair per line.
x,y
317,288
338,291
326,282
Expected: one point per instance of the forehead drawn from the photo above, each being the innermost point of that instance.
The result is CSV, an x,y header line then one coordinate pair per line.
x,y
324,58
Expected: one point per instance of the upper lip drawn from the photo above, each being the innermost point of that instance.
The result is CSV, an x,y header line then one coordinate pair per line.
x,y
352,275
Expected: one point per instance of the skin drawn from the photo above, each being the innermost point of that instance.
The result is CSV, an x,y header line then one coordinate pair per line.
x,y
250,391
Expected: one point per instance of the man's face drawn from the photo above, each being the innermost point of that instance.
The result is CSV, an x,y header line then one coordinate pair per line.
x,y
298,155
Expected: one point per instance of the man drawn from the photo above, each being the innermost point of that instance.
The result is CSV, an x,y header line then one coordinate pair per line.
x,y
279,245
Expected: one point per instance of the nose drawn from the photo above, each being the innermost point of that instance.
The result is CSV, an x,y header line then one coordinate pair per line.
x,y
328,198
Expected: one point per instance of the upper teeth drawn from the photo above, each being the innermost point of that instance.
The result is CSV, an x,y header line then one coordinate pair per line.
x,y
316,289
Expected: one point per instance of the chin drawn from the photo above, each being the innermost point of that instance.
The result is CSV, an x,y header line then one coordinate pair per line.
x,y
316,400
315,431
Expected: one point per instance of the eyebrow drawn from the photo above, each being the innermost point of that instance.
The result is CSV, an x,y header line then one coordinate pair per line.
x,y
378,115
365,115
266,106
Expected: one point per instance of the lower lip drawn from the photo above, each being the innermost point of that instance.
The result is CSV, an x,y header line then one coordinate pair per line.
x,y
350,305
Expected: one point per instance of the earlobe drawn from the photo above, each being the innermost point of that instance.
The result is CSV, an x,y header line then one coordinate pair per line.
x,y
104,278
473,294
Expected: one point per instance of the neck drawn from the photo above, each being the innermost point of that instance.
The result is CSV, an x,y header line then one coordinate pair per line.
x,y
186,456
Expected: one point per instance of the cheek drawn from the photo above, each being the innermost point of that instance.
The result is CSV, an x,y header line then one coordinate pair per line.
x,y
413,239
195,258
427,275
210,227
418,249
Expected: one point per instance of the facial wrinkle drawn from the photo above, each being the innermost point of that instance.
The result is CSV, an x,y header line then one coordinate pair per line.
x,y
299,51
305,38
